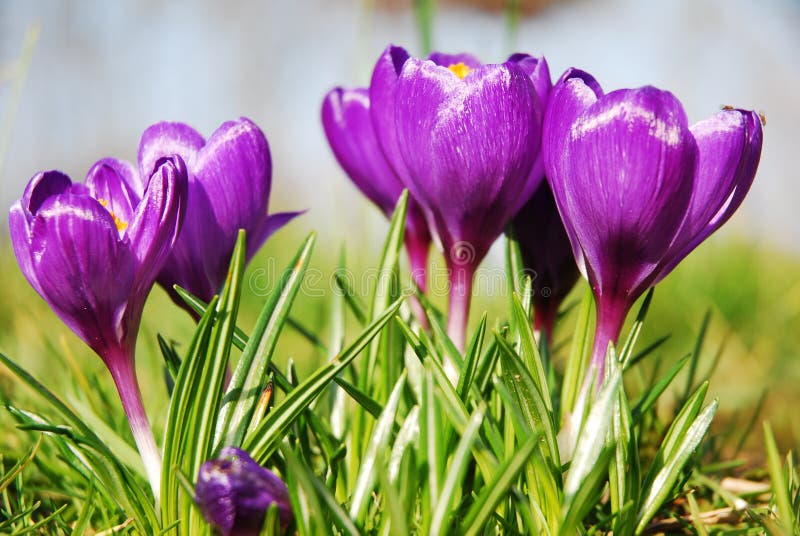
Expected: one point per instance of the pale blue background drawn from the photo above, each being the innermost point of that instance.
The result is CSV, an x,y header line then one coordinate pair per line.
x,y
104,70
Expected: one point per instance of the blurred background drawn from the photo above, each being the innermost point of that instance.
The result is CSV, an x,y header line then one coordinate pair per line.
x,y
82,80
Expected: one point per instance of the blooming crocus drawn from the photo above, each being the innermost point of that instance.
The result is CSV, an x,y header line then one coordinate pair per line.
x,y
637,187
230,177
93,251
348,127
464,138
234,494
547,254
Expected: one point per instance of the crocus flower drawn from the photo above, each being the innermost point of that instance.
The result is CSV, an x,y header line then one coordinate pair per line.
x,y
637,187
230,177
234,494
348,127
547,254
464,138
92,251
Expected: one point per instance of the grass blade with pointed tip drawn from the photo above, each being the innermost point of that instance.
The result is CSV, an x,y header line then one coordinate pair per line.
x,y
250,376
497,488
378,442
669,473
262,441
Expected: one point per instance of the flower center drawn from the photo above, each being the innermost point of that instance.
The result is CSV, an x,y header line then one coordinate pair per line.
x,y
459,69
121,225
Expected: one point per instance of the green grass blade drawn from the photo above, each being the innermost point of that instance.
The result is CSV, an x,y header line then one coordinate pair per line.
x,y
455,473
530,400
471,356
498,488
577,363
664,481
250,376
592,438
377,444
262,441
179,413
626,353
787,516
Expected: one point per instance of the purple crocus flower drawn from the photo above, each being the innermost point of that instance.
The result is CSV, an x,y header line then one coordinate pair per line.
x,y
230,177
234,494
92,251
464,138
547,253
637,187
348,127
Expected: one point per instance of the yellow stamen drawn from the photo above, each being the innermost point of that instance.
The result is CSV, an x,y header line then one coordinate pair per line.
x,y
121,225
459,69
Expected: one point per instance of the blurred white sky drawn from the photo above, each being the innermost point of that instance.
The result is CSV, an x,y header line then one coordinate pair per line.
x,y
103,71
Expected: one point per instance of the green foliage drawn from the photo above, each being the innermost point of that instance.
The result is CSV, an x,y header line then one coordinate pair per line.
x,y
378,440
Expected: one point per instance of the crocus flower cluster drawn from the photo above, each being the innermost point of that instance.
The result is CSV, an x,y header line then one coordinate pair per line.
x,y
234,494
229,185
631,188
637,187
463,137
93,251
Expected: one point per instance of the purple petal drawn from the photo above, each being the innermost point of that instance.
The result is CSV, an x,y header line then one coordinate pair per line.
x,y
40,188
83,270
538,71
729,148
446,60
622,174
382,89
196,262
157,222
348,127
114,183
572,95
267,227
234,493
164,139
235,170
469,146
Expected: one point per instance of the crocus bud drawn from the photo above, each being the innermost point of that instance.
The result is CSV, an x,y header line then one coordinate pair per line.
x,y
230,177
92,251
234,494
463,137
638,188
348,127
547,255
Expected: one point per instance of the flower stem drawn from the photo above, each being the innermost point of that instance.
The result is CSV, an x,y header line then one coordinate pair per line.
x,y
460,297
124,374
611,315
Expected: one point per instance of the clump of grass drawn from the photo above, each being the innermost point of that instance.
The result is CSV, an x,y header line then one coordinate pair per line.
x,y
379,440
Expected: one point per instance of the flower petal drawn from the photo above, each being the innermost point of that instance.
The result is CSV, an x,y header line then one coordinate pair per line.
x,y
729,149
114,183
40,188
468,145
235,170
446,60
157,222
164,139
382,89
538,71
348,127
267,227
623,179
572,95
84,271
